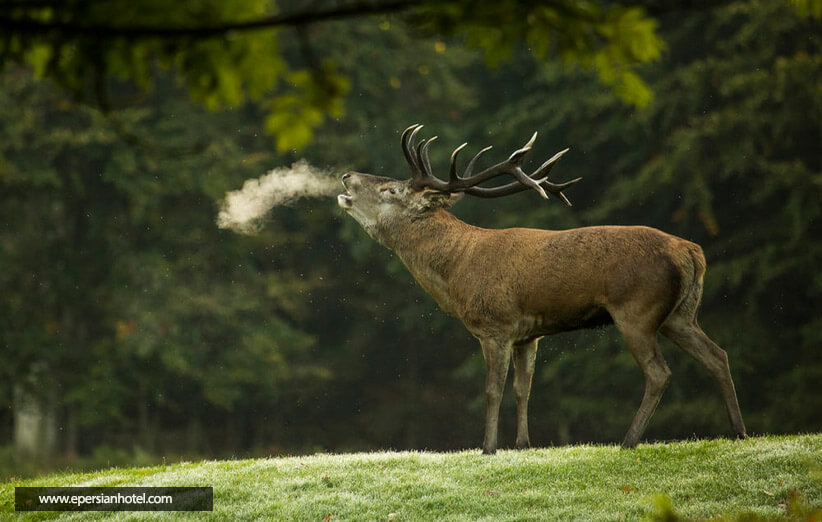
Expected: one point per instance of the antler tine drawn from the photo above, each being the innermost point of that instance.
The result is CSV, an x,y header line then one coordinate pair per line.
x,y
413,135
418,157
452,171
408,130
407,140
424,161
517,155
554,188
473,161
546,167
514,163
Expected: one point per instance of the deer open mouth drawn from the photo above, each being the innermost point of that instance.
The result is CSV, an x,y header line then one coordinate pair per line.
x,y
345,200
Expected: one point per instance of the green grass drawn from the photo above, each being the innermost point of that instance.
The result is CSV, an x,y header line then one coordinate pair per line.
x,y
759,477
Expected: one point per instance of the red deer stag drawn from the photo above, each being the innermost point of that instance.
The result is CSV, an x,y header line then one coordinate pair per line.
x,y
511,287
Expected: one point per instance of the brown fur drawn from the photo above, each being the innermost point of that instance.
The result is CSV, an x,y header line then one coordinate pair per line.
x,y
513,286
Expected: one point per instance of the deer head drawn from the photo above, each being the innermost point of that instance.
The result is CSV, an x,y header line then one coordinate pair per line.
x,y
378,203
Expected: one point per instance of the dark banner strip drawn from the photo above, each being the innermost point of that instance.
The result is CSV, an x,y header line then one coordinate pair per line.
x,y
83,498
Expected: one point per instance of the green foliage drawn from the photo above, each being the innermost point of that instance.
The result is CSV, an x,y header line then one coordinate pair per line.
x,y
294,117
795,508
82,45
216,71
609,39
122,293
220,70
811,8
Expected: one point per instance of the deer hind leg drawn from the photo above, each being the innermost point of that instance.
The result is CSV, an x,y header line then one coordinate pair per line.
x,y
525,356
686,333
644,347
497,356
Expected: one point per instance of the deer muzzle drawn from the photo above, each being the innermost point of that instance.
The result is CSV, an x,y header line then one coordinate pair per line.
x,y
345,200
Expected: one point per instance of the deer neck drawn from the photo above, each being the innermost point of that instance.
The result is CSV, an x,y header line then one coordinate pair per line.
x,y
431,247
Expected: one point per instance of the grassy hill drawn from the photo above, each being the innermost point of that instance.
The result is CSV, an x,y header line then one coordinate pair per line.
x,y
767,477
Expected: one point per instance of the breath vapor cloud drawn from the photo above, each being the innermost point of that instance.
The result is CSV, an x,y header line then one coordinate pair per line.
x,y
243,210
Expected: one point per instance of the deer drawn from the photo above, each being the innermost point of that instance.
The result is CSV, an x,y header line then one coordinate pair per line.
x,y
512,287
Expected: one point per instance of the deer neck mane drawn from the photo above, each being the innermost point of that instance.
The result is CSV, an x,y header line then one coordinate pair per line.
x,y
430,236
431,247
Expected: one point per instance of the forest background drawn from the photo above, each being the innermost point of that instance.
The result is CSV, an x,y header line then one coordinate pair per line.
x,y
134,330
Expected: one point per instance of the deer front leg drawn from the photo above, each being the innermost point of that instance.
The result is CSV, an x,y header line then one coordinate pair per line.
x,y
525,355
497,354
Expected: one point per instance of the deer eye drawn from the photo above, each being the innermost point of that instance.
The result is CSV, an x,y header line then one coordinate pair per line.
x,y
390,190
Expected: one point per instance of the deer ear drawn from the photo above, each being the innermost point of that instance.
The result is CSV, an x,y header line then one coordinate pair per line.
x,y
437,199
453,198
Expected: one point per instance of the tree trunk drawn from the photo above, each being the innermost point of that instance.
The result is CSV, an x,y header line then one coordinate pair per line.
x,y
35,424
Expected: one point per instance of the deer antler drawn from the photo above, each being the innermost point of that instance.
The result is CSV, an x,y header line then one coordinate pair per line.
x,y
423,177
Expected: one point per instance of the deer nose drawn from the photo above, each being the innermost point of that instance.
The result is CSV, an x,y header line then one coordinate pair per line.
x,y
346,176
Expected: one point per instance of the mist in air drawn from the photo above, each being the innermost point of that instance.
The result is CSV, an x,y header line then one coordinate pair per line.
x,y
244,210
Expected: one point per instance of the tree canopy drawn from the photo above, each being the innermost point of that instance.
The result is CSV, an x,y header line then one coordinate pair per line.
x,y
227,53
